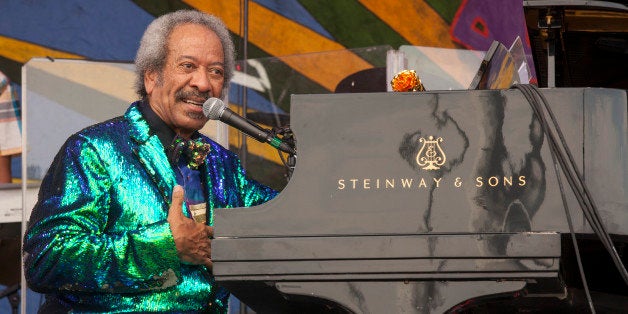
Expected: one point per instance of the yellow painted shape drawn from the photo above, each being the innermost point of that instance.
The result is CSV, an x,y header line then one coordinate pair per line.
x,y
99,78
414,20
253,146
21,51
280,36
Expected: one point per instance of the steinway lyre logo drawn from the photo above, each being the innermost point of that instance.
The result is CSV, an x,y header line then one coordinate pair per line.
x,y
431,155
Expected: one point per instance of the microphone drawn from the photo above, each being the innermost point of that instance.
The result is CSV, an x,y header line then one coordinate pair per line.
x,y
215,109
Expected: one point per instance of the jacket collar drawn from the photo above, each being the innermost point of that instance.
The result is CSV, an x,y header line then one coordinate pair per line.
x,y
150,152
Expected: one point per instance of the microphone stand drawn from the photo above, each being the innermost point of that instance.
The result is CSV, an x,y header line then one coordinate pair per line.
x,y
12,296
287,137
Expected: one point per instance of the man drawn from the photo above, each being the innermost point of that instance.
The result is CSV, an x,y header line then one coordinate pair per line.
x,y
10,134
110,231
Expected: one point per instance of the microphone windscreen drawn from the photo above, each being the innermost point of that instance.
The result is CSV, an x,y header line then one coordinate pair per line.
x,y
213,108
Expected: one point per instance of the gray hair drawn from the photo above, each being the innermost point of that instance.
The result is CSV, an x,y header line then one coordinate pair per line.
x,y
153,50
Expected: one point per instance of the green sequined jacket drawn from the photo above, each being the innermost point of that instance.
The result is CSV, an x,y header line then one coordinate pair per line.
x,y
98,239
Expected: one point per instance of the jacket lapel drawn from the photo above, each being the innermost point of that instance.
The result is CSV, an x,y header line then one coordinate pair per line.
x,y
151,153
209,185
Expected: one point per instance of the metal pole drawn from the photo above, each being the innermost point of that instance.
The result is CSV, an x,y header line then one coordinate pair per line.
x,y
552,25
245,40
551,62
243,147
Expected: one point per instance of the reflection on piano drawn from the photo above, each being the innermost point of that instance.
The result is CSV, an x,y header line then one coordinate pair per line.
x,y
431,202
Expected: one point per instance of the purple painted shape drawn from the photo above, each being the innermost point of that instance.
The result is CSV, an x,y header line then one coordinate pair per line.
x,y
501,20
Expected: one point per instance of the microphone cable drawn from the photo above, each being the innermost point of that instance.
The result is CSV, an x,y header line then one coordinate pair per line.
x,y
565,160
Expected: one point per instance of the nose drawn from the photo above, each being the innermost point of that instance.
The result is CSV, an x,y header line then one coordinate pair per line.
x,y
200,80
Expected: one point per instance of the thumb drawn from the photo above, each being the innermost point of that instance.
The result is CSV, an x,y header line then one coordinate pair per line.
x,y
177,201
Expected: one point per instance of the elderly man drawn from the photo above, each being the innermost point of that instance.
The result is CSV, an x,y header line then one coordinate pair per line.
x,y
124,215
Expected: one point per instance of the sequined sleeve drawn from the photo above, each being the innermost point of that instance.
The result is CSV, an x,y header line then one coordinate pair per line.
x,y
68,245
230,185
251,191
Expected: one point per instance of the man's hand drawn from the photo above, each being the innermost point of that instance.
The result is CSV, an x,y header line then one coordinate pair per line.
x,y
192,239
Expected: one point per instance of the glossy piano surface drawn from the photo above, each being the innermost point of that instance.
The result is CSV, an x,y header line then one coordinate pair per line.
x,y
429,194
357,170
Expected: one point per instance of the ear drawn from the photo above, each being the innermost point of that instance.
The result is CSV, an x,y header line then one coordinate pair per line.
x,y
150,80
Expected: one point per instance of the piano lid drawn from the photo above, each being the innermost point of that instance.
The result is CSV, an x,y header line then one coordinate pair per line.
x,y
441,162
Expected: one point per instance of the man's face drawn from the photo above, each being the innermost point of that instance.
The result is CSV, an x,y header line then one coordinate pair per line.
x,y
193,71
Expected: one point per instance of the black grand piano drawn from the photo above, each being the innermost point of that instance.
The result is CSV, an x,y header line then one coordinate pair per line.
x,y
453,201
434,202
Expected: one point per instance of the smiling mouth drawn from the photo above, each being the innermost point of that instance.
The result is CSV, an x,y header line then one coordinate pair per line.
x,y
192,97
195,112
193,102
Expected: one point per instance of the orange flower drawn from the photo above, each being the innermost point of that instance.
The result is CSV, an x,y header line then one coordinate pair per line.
x,y
406,81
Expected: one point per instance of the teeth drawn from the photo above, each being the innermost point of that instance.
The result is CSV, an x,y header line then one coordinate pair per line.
x,y
193,102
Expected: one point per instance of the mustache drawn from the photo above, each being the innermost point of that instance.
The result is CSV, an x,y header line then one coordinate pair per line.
x,y
183,94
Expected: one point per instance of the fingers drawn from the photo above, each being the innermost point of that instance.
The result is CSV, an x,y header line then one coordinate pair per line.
x,y
201,255
177,202
209,264
207,259
207,250
192,239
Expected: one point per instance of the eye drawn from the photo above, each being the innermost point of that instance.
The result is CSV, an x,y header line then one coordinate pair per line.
x,y
216,72
187,66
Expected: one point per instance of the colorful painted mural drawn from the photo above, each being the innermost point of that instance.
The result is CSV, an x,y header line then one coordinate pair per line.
x,y
110,30
293,46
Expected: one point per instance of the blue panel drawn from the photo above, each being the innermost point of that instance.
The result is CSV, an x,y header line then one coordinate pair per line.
x,y
293,10
255,101
99,30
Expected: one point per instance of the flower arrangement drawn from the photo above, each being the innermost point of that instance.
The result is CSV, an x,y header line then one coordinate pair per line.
x,y
407,81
